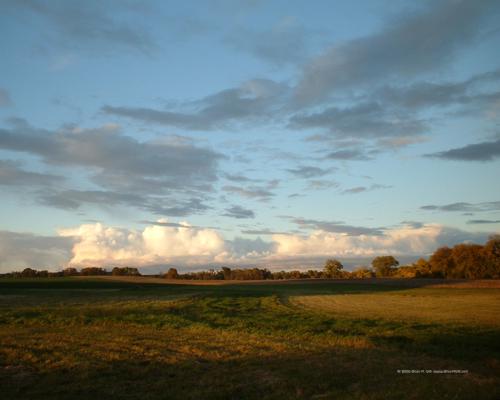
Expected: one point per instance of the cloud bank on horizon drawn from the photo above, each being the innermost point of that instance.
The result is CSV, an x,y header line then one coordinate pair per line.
x,y
163,243
284,133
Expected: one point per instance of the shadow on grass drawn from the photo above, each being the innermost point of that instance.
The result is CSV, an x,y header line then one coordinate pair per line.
x,y
317,286
341,374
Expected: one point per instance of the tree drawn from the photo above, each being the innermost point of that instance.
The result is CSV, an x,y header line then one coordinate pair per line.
x,y
172,274
333,268
491,251
469,261
362,273
422,268
28,273
93,271
442,263
70,271
226,272
384,265
125,271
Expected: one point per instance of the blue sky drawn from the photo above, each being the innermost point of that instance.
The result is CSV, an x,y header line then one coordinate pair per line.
x,y
246,132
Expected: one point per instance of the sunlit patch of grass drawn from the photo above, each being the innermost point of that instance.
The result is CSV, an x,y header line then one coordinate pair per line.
x,y
463,306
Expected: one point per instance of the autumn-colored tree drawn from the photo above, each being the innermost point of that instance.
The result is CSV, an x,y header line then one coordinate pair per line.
x,y
172,274
362,273
491,252
469,262
226,272
125,271
333,268
422,268
93,271
384,265
442,262
70,271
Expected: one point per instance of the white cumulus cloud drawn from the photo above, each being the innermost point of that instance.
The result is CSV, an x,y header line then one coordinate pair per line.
x,y
406,240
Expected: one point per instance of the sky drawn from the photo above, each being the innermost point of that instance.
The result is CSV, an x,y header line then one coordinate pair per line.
x,y
250,132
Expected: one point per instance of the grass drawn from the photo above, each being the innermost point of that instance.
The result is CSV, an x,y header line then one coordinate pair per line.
x,y
137,339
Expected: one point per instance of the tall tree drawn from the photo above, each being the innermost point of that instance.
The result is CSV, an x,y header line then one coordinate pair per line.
x,y
333,268
384,265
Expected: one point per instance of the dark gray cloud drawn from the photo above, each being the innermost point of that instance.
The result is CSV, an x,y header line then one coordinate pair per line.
x,y
91,25
464,207
11,174
4,98
483,151
239,178
250,192
363,120
238,212
361,189
263,232
336,227
175,225
409,45
76,199
108,152
483,221
20,250
306,171
413,224
159,177
254,100
348,155
424,94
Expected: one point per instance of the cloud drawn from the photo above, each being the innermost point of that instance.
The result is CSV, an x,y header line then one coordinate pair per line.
x,y
165,222
96,244
162,177
248,250
164,243
425,94
410,45
464,207
362,120
336,227
21,250
255,99
483,221
106,149
306,172
239,212
361,189
262,232
400,241
5,99
157,244
484,151
348,155
90,26
11,174
76,199
239,178
321,184
251,192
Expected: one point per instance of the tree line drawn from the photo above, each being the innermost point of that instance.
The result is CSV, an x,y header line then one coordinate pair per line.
x,y
462,261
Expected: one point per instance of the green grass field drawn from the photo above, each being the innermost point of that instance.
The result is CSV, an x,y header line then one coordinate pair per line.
x,y
74,338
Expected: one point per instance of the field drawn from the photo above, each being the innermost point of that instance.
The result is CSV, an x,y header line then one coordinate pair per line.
x,y
140,338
